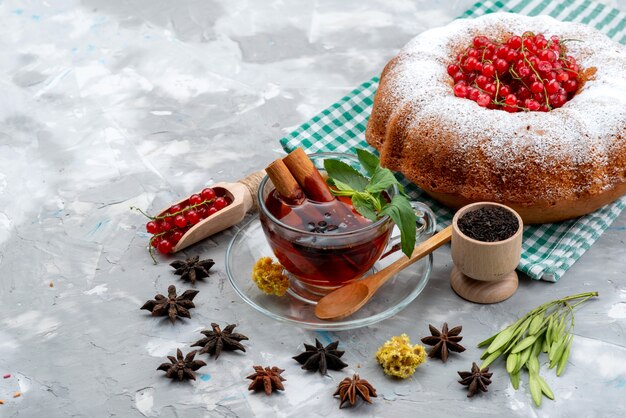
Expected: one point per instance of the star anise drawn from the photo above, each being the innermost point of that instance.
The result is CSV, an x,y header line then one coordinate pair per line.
x,y
172,305
476,380
218,340
321,358
349,388
444,341
193,268
267,379
181,367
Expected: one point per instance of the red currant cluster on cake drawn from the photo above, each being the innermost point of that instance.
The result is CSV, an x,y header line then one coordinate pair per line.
x,y
170,226
527,72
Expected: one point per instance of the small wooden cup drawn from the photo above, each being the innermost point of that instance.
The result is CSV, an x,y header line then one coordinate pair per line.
x,y
484,272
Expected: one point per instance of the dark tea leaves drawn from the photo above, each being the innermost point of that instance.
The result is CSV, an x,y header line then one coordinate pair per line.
x,y
489,224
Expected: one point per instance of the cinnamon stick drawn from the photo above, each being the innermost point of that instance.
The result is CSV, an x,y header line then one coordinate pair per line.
x,y
284,183
308,176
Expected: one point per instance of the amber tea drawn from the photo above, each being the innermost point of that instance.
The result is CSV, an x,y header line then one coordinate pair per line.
x,y
327,244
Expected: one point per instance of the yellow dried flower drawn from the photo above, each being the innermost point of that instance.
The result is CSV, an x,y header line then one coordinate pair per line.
x,y
399,358
269,277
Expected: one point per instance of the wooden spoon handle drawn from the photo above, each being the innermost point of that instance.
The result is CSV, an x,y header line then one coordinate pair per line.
x,y
424,248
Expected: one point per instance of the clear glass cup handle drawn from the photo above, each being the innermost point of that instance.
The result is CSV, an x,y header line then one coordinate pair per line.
x,y
426,226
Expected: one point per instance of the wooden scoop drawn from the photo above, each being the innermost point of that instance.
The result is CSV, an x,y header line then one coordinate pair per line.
x,y
242,198
348,299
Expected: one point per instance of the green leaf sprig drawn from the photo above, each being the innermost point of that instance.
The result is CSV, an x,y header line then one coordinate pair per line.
x,y
368,194
548,329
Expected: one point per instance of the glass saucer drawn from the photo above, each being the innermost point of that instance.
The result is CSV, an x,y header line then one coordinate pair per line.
x,y
249,244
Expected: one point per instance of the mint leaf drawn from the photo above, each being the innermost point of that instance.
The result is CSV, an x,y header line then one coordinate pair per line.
x,y
402,213
364,206
340,188
341,171
381,180
369,161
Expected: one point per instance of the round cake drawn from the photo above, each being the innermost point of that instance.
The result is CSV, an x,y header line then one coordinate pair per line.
x,y
551,165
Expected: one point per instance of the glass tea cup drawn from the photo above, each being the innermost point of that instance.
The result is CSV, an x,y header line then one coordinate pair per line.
x,y
328,245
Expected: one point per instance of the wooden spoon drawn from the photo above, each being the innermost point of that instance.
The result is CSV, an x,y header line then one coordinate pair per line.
x,y
348,299
242,198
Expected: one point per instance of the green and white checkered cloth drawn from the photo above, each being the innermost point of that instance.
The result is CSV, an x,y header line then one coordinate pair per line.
x,y
549,249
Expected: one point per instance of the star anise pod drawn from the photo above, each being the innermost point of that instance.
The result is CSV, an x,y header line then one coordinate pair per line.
x,y
476,380
444,341
321,358
172,305
218,340
181,367
348,389
193,268
267,379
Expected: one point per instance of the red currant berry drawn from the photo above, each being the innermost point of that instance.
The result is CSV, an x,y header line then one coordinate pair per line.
x,y
523,93
490,89
165,225
180,221
562,76
474,53
502,52
458,77
510,109
481,81
472,93
155,242
164,247
202,212
570,85
483,100
176,236
504,90
536,87
514,42
532,105
192,216
470,63
152,227
480,41
544,66
174,209
523,71
195,199
211,211
488,70
460,89
220,203
552,86
209,194
501,65
510,100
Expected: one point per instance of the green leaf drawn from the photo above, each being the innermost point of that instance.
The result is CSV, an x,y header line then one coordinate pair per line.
x,y
535,388
511,362
364,206
515,378
402,213
341,187
368,160
525,343
533,365
338,170
382,179
545,388
492,357
501,340
564,357
535,324
524,356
